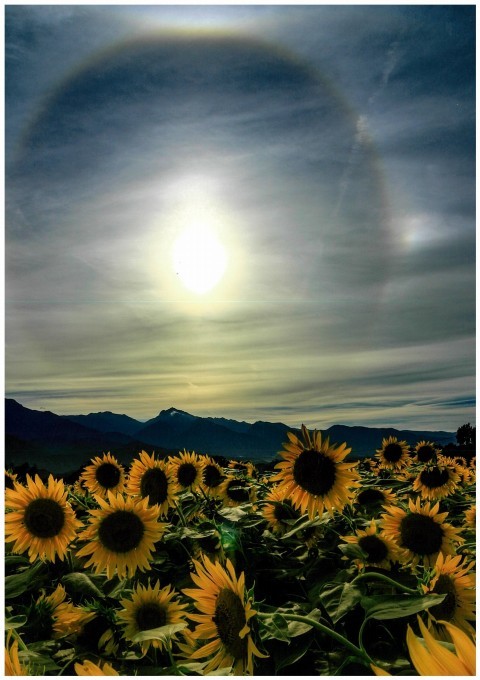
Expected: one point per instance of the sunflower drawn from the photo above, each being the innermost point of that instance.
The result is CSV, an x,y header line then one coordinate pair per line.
x,y
421,533
13,665
151,478
430,657
313,475
279,512
371,498
10,478
425,452
240,466
470,517
212,476
150,608
379,550
41,520
236,491
186,470
393,454
104,475
87,667
52,617
457,582
435,482
224,620
121,535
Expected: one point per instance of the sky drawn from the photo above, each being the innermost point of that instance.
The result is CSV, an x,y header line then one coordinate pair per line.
x,y
256,212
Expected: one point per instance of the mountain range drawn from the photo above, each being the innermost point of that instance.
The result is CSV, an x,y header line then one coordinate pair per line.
x,y
63,443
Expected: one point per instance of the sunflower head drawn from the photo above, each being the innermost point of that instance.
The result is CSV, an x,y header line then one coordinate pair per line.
x,y
279,512
314,475
39,519
152,479
240,466
421,532
234,491
51,616
393,454
186,469
470,517
121,535
212,476
103,475
379,550
87,667
426,452
224,618
149,608
371,498
436,481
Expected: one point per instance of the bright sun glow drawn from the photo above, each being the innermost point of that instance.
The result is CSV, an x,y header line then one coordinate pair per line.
x,y
199,259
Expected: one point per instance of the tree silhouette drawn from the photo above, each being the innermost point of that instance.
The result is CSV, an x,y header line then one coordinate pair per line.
x,y
466,435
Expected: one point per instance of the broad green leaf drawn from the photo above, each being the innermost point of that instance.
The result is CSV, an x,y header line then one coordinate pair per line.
x,y
80,583
233,514
163,633
381,608
20,583
274,627
15,622
340,599
297,650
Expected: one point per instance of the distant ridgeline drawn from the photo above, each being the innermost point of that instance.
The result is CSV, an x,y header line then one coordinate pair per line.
x,y
62,444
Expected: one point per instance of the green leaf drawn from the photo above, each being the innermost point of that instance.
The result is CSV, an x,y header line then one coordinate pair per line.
x,y
80,583
26,580
163,633
297,650
303,523
233,514
340,599
380,608
15,622
274,627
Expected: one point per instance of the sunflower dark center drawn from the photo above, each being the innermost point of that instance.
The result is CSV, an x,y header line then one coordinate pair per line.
x,y
392,452
187,474
314,472
284,511
154,484
229,619
434,477
44,518
107,475
212,476
425,453
446,609
421,534
150,615
370,496
238,491
374,547
121,531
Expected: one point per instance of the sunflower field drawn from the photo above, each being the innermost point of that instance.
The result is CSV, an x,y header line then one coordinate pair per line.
x,y
179,566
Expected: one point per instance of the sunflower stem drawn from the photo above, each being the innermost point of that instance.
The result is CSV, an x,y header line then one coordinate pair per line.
x,y
182,516
324,629
387,579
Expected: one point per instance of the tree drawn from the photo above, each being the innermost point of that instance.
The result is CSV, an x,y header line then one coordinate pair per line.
x,y
466,435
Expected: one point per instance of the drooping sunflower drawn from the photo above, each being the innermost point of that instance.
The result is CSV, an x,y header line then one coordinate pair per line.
x,y
313,474
435,482
103,475
87,667
470,517
225,618
121,535
150,608
279,512
151,478
380,551
425,452
421,532
53,617
234,492
393,454
212,476
454,578
13,665
41,521
186,470
371,498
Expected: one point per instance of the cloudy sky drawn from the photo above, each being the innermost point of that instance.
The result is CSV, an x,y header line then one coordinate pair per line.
x,y
257,212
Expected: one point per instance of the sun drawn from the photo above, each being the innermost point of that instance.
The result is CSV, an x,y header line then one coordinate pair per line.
x,y
199,258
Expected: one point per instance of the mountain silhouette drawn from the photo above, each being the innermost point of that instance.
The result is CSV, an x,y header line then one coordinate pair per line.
x,y
43,437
